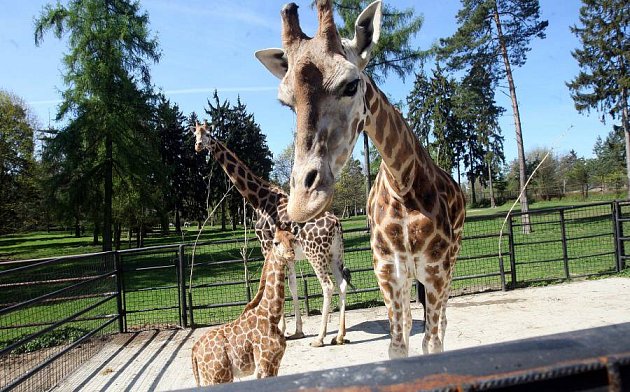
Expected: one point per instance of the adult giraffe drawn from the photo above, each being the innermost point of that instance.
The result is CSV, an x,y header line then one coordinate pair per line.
x,y
416,210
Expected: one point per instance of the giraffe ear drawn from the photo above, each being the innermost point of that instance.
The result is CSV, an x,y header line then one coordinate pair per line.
x,y
274,60
367,30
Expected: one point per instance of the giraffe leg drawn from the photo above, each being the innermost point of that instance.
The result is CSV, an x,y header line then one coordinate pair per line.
x,y
343,287
325,280
393,298
407,317
432,342
299,334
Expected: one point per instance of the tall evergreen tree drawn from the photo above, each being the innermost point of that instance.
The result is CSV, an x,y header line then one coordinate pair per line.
x,y
604,61
108,85
497,33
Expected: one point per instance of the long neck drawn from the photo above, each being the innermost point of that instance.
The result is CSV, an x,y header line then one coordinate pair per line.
x,y
403,156
253,188
269,301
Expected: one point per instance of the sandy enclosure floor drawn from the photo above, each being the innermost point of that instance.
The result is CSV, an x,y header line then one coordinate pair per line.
x,y
160,360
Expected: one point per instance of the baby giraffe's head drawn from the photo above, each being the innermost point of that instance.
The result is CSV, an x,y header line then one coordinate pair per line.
x,y
202,135
283,242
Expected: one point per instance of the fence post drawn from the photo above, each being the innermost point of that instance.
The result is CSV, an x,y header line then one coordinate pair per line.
x,y
421,296
181,282
512,250
565,256
308,308
618,233
120,303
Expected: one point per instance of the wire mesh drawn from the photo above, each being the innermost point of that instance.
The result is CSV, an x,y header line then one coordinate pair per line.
x,y
47,307
150,287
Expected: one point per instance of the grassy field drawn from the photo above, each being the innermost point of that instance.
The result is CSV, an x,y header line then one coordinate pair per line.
x,y
584,245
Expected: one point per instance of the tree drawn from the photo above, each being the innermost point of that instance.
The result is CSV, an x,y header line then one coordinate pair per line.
x,y
604,59
434,120
478,117
171,127
237,128
18,191
608,166
348,189
497,33
282,166
108,87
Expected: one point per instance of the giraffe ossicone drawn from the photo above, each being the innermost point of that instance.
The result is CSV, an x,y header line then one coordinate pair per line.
x,y
416,210
318,240
253,343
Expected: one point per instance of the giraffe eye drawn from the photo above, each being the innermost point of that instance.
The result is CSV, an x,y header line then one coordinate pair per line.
x,y
351,88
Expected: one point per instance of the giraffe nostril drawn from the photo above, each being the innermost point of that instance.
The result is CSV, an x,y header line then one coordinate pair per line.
x,y
310,179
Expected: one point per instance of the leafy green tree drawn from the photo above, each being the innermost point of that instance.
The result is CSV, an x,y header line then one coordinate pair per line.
x,y
18,191
282,166
348,190
108,89
604,59
497,33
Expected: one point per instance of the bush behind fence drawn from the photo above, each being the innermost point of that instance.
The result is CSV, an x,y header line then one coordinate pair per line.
x,y
68,306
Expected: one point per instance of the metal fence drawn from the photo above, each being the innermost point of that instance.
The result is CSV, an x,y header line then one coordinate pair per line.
x,y
54,315
68,306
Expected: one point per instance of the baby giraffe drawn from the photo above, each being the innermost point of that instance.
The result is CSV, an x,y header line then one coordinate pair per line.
x,y
253,343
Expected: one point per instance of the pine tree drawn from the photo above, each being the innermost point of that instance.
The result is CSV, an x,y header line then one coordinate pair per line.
x,y
604,61
497,33
108,89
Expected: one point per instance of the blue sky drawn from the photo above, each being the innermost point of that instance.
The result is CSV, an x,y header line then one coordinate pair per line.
x,y
209,45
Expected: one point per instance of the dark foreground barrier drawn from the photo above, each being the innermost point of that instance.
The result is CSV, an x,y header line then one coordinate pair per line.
x,y
589,360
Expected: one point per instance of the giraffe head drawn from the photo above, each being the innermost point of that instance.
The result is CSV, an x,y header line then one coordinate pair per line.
x,y
283,242
322,81
202,135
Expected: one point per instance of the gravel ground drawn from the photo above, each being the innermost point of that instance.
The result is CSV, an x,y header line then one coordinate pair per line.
x,y
160,360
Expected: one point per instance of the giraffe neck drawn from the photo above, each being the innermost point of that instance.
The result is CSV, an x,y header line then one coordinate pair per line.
x,y
269,302
403,156
253,188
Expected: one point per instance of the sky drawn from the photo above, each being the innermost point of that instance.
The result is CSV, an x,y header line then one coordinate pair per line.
x,y
208,45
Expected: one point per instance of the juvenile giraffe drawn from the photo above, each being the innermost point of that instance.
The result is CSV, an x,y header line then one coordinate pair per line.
x,y
319,240
416,210
253,343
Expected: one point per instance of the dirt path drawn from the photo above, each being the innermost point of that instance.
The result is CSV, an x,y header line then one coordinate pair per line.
x,y
154,360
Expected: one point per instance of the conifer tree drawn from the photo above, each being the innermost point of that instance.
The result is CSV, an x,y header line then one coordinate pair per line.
x,y
497,33
604,59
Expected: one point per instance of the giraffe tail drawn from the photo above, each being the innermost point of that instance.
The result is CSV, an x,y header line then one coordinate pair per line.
x,y
347,276
195,370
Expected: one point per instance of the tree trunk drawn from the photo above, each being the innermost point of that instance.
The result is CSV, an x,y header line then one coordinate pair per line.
x,y
368,176
109,185
473,199
493,203
517,124
77,227
178,221
223,217
117,235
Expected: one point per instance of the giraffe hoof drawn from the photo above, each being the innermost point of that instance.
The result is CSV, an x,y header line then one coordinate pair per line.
x,y
295,336
339,342
317,343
